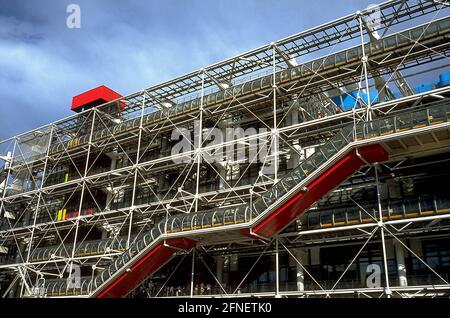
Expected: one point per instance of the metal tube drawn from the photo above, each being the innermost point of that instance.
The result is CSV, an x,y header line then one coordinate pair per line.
x,y
199,155
381,225
136,171
277,270
275,125
366,76
7,177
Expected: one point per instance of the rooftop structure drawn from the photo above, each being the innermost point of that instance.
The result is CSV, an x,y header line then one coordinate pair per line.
x,y
95,97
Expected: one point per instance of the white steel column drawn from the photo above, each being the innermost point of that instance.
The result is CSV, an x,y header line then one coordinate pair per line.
x,y
383,242
277,269
198,151
136,171
2,207
192,272
8,174
274,134
401,266
366,76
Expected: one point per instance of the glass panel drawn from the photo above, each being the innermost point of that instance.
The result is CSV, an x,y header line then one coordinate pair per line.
x,y
338,141
339,216
308,167
240,215
186,223
217,218
266,81
161,227
247,87
386,125
340,57
313,218
228,93
277,77
256,85
433,28
442,204
174,225
353,54
195,103
307,68
156,232
420,118
318,158
426,204
371,129
328,149
298,173
353,214
444,25
219,96
259,206
296,72
195,222
375,47
403,121
207,219
326,218
403,37
411,206
416,34
328,61
437,114
285,75
237,90
211,99
390,42
140,245
280,189
228,217
289,181
317,65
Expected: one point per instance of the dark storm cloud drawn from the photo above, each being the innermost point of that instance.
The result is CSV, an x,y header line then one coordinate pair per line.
x,y
129,45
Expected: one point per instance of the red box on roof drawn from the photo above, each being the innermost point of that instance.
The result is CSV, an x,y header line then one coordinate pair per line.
x,y
95,97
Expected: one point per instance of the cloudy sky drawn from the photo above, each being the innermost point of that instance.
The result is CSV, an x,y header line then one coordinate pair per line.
x,y
129,45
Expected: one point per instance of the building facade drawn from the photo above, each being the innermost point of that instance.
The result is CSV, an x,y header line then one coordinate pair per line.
x,y
315,166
